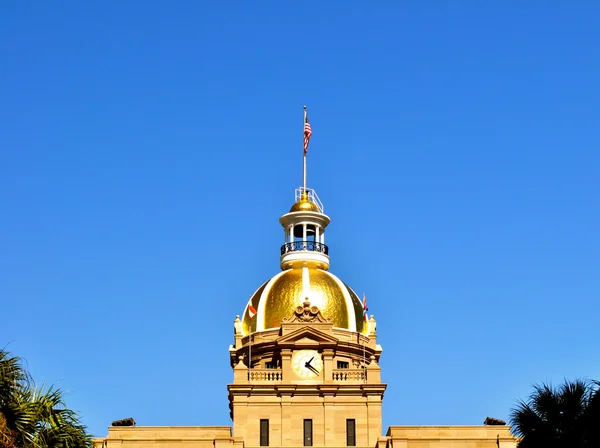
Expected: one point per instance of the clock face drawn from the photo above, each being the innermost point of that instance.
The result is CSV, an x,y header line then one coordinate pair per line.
x,y
307,364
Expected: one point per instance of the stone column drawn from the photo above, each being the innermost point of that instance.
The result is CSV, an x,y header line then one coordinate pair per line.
x,y
286,364
373,419
328,366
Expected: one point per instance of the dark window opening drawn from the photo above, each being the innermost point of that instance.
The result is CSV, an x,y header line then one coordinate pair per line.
x,y
310,233
308,432
350,432
271,365
298,233
264,432
343,365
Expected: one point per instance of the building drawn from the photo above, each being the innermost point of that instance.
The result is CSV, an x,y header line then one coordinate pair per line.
x,y
305,363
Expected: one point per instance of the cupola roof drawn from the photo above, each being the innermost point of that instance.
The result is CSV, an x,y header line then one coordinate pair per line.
x,y
305,205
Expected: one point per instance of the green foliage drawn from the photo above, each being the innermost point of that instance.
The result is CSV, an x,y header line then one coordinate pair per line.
x,y
32,417
567,416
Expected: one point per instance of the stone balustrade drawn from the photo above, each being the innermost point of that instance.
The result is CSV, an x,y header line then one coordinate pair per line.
x,y
265,375
346,375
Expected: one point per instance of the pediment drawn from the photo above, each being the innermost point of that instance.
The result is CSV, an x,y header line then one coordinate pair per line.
x,y
306,335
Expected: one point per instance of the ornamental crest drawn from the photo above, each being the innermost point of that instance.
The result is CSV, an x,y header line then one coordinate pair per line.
x,y
306,314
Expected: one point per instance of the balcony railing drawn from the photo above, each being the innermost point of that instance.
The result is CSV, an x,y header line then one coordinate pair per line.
x,y
343,375
298,246
265,375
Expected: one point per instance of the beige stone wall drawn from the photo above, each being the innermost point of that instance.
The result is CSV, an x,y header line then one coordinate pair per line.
x,y
286,398
329,429
168,437
286,416
450,437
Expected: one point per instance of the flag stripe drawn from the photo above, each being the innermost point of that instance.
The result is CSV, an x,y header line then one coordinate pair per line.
x,y
307,132
251,309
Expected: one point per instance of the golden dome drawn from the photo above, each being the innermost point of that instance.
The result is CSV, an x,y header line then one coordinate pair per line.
x,y
304,205
278,298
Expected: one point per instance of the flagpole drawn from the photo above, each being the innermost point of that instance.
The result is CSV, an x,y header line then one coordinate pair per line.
x,y
364,351
304,171
364,363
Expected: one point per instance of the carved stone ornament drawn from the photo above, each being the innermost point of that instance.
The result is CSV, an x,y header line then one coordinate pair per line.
x,y
306,314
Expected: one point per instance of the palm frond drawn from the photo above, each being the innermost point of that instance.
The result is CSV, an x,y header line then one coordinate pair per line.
x,y
35,417
561,417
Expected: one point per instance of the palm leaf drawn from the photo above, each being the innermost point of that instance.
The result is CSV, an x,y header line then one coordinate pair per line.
x,y
32,417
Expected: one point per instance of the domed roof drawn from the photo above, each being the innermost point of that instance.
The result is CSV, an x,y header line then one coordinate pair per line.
x,y
278,298
304,205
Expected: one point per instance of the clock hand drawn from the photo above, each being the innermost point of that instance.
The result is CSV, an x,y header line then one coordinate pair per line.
x,y
312,369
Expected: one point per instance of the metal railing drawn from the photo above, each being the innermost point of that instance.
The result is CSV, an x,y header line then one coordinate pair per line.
x,y
298,246
310,194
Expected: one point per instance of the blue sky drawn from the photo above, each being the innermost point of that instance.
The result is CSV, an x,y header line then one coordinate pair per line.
x,y
149,148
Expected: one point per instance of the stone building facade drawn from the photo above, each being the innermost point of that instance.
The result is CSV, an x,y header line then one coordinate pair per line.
x,y
305,363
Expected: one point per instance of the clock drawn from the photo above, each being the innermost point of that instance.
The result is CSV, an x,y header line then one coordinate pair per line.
x,y
307,364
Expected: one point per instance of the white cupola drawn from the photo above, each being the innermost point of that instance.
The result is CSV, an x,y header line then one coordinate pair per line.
x,y
304,228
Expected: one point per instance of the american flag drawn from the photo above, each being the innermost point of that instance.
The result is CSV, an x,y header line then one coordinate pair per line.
x,y
307,132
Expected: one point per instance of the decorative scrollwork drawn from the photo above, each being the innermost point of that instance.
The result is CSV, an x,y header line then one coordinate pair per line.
x,y
297,246
306,313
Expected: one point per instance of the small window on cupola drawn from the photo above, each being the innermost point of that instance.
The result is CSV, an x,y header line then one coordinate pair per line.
x,y
271,365
343,365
